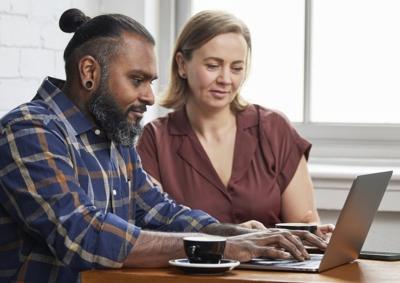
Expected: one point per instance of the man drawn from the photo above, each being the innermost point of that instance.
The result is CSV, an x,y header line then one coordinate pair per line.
x,y
73,195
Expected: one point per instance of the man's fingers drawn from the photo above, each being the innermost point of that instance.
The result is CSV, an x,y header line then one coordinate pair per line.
x,y
283,238
290,243
280,244
311,238
300,246
274,253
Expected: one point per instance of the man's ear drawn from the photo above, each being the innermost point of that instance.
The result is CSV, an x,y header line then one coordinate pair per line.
x,y
180,61
89,72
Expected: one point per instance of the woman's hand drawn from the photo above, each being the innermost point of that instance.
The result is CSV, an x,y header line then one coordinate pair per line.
x,y
253,224
325,231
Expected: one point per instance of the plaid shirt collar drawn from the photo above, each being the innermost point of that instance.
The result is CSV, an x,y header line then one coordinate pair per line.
x,y
75,121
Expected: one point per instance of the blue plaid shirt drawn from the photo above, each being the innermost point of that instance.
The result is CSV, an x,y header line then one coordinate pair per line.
x,y
70,199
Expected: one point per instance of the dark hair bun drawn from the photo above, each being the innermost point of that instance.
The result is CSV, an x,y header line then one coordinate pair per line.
x,y
72,19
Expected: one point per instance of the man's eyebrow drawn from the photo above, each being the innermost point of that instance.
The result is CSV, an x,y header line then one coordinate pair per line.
x,y
145,75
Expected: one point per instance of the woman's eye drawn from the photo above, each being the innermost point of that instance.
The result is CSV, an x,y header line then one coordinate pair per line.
x,y
237,69
212,66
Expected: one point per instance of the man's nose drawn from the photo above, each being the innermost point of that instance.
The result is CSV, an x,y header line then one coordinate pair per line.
x,y
147,97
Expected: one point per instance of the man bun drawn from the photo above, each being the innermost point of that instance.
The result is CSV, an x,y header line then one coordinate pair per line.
x,y
72,19
100,37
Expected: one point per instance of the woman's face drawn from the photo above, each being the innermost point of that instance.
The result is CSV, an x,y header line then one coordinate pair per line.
x,y
216,71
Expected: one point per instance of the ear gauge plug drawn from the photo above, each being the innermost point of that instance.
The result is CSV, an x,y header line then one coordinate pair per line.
x,y
89,84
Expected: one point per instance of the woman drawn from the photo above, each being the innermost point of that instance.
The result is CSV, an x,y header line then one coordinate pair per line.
x,y
215,152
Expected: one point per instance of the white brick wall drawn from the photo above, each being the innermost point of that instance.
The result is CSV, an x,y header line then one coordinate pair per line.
x,y
17,91
5,5
19,31
32,45
19,7
9,58
31,59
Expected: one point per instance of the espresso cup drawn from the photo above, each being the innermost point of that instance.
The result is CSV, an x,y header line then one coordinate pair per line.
x,y
297,226
206,249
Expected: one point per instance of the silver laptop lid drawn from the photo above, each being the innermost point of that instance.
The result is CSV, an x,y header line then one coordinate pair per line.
x,y
355,219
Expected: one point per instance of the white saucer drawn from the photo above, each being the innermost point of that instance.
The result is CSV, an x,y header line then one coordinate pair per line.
x,y
204,268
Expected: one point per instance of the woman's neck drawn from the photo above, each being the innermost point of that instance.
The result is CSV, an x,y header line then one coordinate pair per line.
x,y
210,124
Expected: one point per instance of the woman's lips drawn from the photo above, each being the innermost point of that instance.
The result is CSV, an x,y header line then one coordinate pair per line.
x,y
219,93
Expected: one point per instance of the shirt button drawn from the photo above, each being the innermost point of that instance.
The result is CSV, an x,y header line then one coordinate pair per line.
x,y
97,132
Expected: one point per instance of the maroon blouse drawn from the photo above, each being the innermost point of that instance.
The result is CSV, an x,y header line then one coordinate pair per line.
x,y
267,152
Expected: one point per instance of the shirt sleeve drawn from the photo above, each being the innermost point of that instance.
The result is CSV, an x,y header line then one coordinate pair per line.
x,y
287,146
40,190
156,211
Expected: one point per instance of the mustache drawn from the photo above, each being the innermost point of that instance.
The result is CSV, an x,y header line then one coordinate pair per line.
x,y
137,108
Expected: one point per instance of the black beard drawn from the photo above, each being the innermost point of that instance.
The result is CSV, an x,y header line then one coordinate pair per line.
x,y
111,118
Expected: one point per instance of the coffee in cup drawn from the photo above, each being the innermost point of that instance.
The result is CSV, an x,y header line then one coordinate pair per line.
x,y
204,249
311,227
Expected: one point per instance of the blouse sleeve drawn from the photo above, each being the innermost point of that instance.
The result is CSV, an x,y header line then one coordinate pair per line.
x,y
148,152
280,137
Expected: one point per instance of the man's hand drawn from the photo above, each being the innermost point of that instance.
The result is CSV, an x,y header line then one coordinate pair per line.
x,y
272,243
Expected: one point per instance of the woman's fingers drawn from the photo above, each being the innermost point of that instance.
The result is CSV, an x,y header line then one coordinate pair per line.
x,y
253,224
326,228
324,231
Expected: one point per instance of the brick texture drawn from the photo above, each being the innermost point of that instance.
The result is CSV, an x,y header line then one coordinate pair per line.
x,y
31,45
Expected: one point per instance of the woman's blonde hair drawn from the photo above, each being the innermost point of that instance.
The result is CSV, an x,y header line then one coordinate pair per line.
x,y
201,28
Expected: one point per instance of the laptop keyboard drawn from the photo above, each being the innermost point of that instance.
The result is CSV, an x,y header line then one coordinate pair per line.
x,y
313,262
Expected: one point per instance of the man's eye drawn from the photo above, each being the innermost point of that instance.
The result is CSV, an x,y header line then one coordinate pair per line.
x,y
137,81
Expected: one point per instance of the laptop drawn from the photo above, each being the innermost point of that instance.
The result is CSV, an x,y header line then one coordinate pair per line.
x,y
351,230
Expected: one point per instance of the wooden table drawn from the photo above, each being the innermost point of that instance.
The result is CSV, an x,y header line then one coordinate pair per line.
x,y
358,271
